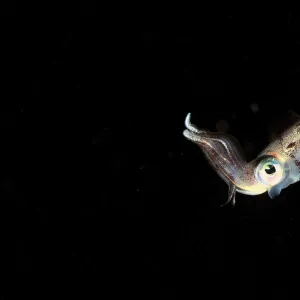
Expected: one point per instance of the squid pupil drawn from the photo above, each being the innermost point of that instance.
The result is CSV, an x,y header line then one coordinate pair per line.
x,y
270,169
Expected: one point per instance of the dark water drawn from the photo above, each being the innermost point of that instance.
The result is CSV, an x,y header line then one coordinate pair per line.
x,y
165,226
149,222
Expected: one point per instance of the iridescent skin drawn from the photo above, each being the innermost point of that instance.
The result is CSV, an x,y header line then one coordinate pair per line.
x,y
252,178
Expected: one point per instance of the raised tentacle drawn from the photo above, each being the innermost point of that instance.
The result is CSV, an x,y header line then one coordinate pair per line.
x,y
190,126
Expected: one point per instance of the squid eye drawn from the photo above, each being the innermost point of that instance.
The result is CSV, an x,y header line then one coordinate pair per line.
x,y
270,171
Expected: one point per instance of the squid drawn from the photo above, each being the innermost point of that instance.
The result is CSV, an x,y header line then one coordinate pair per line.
x,y
274,169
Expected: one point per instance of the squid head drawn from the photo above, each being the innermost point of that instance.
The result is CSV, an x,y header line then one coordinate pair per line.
x,y
275,168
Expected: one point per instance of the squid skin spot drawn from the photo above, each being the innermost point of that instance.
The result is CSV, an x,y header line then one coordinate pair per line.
x,y
297,162
291,145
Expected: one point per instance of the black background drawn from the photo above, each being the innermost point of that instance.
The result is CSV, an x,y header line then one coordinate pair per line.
x,y
149,221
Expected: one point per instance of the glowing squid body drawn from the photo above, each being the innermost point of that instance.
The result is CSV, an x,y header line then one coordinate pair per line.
x,y
275,168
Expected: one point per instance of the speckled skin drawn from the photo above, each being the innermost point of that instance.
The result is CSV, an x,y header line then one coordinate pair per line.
x,y
287,145
225,156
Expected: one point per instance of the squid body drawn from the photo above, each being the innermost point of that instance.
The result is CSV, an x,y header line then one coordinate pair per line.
x,y
275,168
